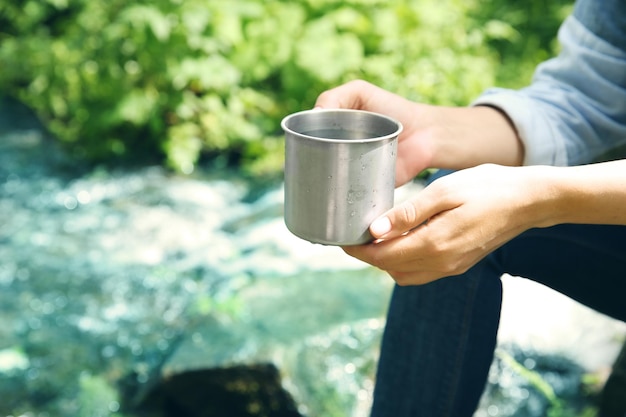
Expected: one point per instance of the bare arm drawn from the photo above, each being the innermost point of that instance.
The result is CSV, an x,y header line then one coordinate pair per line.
x,y
590,194
470,136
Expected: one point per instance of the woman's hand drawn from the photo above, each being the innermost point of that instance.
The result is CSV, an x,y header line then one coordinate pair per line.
x,y
434,136
414,144
456,221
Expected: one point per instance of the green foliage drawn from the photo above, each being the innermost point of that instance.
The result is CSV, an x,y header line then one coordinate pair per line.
x,y
180,80
522,34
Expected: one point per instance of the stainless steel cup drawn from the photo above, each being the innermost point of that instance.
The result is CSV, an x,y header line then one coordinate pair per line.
x,y
339,173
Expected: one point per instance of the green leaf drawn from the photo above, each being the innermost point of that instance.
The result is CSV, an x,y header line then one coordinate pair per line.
x,y
212,73
183,147
497,29
151,17
137,106
327,54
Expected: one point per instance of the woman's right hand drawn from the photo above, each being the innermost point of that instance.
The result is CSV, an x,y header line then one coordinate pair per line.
x,y
414,143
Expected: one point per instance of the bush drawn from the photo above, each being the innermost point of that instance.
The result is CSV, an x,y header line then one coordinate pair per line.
x,y
180,80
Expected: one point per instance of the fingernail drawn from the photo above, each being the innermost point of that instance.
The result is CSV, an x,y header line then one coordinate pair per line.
x,y
380,226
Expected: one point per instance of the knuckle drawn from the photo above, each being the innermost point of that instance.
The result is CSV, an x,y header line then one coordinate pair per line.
x,y
460,268
408,213
449,269
325,95
454,267
380,262
359,83
444,186
400,278
435,248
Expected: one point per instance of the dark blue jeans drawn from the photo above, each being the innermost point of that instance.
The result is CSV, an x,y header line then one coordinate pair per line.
x,y
440,337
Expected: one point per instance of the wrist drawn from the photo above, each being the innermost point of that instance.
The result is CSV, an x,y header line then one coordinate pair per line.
x,y
588,194
547,200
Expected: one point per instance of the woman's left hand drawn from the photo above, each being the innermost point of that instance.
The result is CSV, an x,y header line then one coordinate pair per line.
x,y
455,222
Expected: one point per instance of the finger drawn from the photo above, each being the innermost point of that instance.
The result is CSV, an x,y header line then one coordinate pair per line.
x,y
414,278
394,254
404,272
410,214
360,252
351,95
405,217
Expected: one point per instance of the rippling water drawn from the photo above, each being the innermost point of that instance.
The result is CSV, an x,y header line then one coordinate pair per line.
x,y
103,273
90,279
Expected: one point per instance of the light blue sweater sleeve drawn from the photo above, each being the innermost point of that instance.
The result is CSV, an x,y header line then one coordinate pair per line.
x,y
574,111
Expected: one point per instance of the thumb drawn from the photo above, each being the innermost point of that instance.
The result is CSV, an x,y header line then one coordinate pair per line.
x,y
404,217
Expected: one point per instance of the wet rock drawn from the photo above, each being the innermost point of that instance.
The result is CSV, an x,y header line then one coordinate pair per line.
x,y
524,383
243,391
321,330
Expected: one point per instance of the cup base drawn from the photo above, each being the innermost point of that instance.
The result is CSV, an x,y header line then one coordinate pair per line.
x,y
325,241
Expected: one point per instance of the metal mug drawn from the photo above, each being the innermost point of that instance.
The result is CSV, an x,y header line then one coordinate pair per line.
x,y
339,173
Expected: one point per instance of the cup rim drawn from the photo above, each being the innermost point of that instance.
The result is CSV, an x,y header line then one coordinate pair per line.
x,y
392,135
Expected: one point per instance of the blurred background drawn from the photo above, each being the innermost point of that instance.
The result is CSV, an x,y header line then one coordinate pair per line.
x,y
144,266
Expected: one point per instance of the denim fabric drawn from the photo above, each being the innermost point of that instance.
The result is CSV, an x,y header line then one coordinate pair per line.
x,y
607,22
439,339
574,112
438,346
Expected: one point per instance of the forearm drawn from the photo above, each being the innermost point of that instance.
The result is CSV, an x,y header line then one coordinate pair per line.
x,y
587,194
470,136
